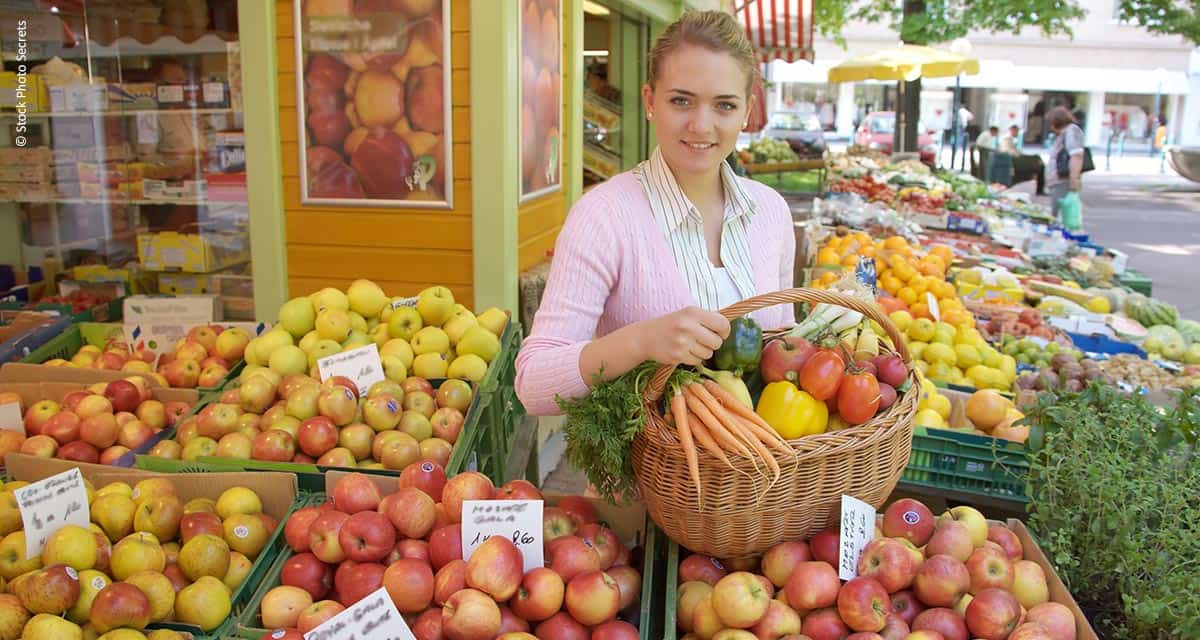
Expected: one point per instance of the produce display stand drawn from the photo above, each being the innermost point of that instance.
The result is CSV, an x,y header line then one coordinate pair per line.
x,y
104,312
629,522
780,168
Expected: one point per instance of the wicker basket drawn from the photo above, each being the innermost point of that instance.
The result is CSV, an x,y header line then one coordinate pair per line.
x,y
740,514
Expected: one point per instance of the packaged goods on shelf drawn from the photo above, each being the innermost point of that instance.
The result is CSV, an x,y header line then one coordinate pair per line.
x,y
229,152
133,95
179,96
206,250
32,95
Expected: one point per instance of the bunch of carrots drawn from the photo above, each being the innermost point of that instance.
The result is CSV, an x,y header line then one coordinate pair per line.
x,y
705,413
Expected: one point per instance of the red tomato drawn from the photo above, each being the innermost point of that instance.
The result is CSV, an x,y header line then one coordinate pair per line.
x,y
822,373
858,397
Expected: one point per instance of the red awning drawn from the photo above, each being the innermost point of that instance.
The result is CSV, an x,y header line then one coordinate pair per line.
x,y
778,29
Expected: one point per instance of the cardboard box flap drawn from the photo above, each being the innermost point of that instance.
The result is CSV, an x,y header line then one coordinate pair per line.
x,y
1058,591
22,372
19,466
277,491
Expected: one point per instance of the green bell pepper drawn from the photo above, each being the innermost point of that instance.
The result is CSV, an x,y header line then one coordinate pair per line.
x,y
742,349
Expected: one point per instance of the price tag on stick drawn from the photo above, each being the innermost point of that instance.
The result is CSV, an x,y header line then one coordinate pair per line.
x,y
858,528
49,505
375,617
517,520
361,365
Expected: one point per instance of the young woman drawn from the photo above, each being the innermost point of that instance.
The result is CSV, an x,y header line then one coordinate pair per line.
x,y
646,259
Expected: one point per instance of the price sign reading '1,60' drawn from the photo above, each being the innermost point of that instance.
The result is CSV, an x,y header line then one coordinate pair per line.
x,y
858,528
49,505
518,520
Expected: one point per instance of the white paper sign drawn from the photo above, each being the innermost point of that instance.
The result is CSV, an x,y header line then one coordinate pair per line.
x,y
404,302
361,365
10,417
517,520
49,505
375,617
858,528
147,128
934,309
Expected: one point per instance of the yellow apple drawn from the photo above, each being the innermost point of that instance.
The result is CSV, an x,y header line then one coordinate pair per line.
x,y
238,500
970,516
430,365
467,367
483,343
393,368
73,546
158,590
400,348
204,603
91,582
430,340
329,298
456,326
366,298
308,341
44,626
297,316
404,323
435,305
493,320
333,324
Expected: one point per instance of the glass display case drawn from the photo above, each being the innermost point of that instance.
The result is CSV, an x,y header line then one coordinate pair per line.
x,y
122,162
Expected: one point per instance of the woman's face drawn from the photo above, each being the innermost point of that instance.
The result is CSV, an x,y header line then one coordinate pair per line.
x,y
698,106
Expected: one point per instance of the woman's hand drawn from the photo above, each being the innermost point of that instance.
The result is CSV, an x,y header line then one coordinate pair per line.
x,y
688,336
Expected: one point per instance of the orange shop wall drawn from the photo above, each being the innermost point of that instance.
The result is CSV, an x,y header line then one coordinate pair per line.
x,y
403,250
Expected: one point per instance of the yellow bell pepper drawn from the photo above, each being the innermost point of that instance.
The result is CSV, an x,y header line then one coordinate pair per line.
x,y
791,412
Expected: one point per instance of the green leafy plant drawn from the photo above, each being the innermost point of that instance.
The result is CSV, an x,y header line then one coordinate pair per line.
x,y
1116,504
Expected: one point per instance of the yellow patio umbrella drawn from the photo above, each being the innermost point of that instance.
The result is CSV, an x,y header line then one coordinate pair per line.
x,y
906,62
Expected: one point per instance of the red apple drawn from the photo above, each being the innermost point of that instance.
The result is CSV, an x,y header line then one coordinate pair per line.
x,y
629,580
905,606
561,626
993,614
273,445
338,403
540,595
428,625
941,581
337,457
198,523
427,476
580,510
889,562
62,426
495,568
40,446
951,538
1056,618
943,621
1031,631
410,585
824,624
112,455
779,621
134,434
445,544
826,546
510,624
908,518
604,540
895,628
79,451
317,435
616,630
317,614
470,485
989,570
451,578
367,536
740,599
573,556
296,529
323,536
555,524
1007,540
813,585
701,568
783,358
779,560
413,549
90,405
470,615
592,598
447,423
175,410
412,512
363,579
123,395
355,492
306,571
863,604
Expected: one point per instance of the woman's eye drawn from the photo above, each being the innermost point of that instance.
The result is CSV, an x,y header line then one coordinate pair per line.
x,y
679,101
726,106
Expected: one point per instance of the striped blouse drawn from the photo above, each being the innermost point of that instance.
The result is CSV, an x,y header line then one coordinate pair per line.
x,y
683,227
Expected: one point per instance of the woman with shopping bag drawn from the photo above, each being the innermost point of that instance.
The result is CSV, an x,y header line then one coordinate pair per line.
x,y
1065,167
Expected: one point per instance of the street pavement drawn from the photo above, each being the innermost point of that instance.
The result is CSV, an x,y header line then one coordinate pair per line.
x,y
1154,217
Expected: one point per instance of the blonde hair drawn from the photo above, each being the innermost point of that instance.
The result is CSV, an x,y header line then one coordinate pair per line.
x,y
714,30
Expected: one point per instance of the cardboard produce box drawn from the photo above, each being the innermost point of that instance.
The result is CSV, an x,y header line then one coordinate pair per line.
x,y
19,466
14,372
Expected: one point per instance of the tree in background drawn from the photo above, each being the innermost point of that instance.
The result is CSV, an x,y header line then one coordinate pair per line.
x,y
1168,17
931,22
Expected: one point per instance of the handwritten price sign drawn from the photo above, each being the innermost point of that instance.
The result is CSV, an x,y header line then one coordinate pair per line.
x,y
858,528
517,520
361,365
375,617
49,505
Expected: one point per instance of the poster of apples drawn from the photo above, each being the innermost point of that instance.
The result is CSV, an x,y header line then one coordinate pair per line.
x,y
541,96
373,96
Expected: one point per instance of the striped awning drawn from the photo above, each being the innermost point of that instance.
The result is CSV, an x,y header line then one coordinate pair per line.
x,y
778,29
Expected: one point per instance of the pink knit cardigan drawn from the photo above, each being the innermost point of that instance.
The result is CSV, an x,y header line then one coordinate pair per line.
x,y
612,267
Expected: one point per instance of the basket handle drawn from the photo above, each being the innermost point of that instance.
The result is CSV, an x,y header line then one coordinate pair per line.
x,y
658,383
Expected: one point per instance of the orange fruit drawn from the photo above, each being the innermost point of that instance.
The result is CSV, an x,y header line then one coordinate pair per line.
x,y
850,261
896,243
867,250
907,295
829,277
919,310
828,256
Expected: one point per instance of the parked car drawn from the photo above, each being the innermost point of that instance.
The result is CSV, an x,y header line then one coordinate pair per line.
x,y
801,130
877,131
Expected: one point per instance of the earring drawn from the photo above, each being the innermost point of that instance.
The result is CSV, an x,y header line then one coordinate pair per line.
x,y
649,115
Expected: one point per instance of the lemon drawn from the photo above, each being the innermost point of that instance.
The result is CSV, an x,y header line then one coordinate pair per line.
x,y
1008,366
916,348
902,320
928,389
921,329
929,418
1099,304
944,333
967,356
938,353
991,357
941,405
921,366
941,371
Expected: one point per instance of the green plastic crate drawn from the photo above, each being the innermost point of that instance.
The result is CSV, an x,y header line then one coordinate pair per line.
x,y
108,312
1137,281
968,463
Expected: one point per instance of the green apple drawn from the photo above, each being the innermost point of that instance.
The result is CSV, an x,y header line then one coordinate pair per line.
x,y
333,324
435,305
467,367
366,298
355,340
269,342
479,341
430,365
323,349
288,360
329,298
306,343
379,334
204,603
393,368
404,323
297,316
457,326
430,340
